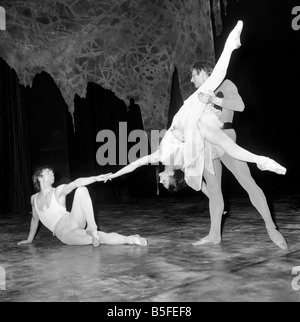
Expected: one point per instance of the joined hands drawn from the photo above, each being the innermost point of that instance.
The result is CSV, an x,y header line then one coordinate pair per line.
x,y
104,177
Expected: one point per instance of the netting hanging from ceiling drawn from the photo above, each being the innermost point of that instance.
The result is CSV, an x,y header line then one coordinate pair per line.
x,y
127,46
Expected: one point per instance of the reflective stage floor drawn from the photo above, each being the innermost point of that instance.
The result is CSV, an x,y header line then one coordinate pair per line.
x,y
246,267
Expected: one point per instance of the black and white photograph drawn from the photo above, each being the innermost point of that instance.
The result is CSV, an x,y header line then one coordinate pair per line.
x,y
149,153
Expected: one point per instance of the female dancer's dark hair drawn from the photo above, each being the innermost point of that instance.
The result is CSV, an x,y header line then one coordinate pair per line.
x,y
177,182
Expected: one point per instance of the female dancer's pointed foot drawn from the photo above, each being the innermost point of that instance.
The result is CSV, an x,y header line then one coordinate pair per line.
x,y
234,38
137,240
95,237
277,238
207,241
265,163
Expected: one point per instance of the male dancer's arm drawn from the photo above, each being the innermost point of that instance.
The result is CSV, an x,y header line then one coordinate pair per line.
x,y
227,96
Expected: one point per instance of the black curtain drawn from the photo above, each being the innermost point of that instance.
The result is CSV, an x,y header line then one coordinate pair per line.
x,y
176,100
102,110
265,70
15,166
47,123
142,181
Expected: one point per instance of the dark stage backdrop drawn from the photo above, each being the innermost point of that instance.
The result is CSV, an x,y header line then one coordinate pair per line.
x,y
36,128
102,110
15,167
69,144
47,114
266,71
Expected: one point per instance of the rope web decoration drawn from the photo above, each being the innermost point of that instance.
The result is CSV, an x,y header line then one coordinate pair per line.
x,y
130,47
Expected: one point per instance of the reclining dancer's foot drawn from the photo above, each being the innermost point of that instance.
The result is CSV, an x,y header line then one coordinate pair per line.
x,y
277,238
234,39
95,237
137,240
265,163
208,240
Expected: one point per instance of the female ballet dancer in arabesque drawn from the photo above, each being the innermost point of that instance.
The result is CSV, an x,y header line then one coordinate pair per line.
x,y
189,143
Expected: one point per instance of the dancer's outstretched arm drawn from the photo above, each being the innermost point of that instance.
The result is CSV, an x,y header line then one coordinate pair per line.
x,y
64,190
148,159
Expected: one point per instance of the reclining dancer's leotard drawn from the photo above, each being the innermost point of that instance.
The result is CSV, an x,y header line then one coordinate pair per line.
x,y
52,215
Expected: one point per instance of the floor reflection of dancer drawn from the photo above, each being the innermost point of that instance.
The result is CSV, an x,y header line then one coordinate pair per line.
x,y
187,145
77,227
228,100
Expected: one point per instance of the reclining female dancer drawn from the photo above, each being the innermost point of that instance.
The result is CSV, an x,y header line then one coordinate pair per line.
x,y
187,145
49,207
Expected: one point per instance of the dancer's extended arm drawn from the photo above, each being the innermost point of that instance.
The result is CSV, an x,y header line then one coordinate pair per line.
x,y
148,159
64,190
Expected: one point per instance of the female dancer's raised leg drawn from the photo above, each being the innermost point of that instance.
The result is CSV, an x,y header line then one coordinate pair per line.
x,y
212,132
218,74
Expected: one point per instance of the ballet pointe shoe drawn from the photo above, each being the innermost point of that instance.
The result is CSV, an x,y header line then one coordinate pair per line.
x,y
234,38
95,237
137,240
265,163
277,238
207,241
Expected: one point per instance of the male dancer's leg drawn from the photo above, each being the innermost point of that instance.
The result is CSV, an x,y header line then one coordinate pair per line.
x,y
243,175
216,204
